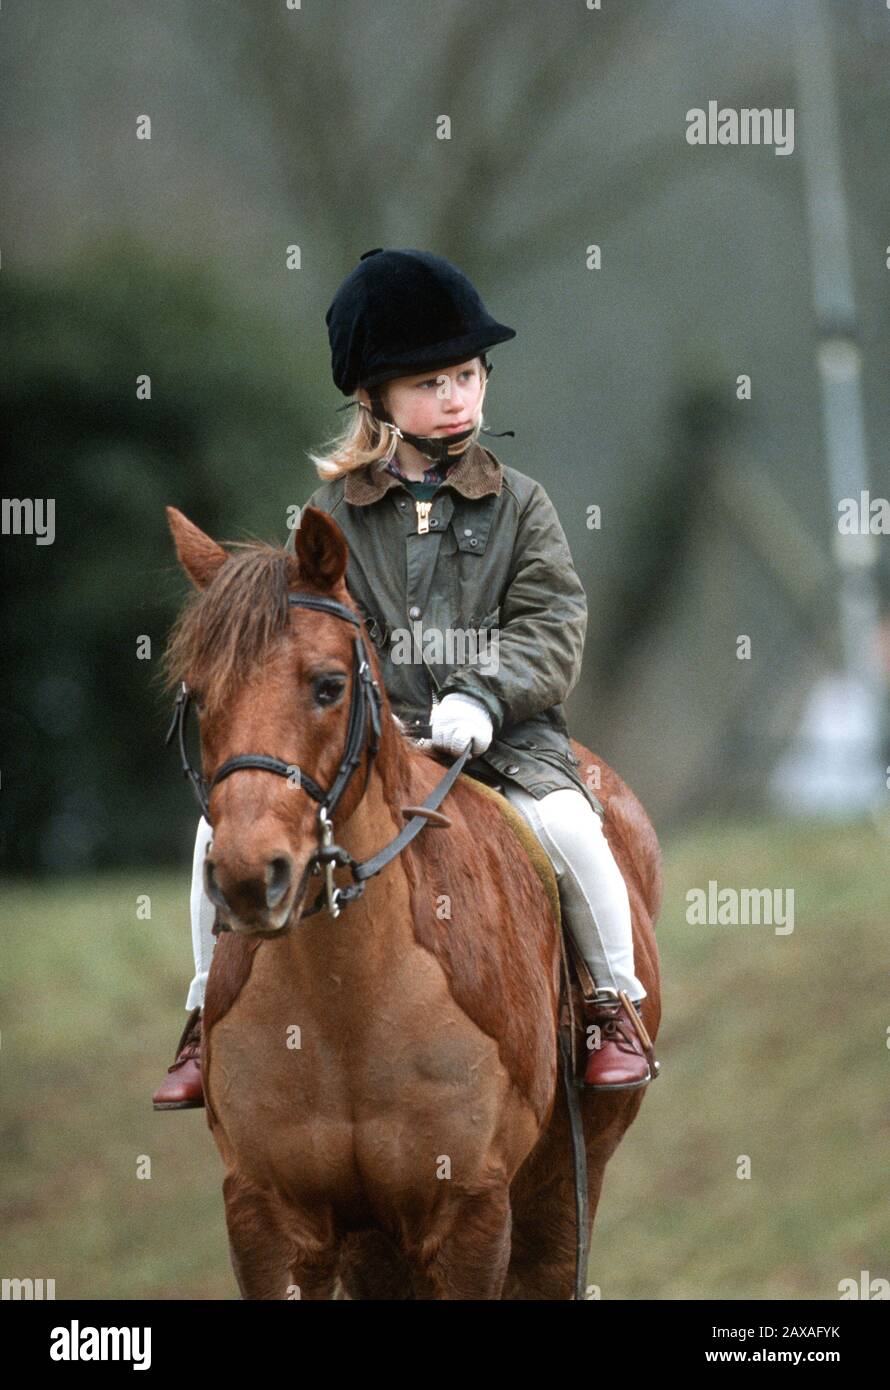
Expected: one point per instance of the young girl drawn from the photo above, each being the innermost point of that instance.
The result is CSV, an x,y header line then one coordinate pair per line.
x,y
483,549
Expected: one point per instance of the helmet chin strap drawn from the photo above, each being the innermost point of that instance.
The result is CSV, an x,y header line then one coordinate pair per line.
x,y
439,449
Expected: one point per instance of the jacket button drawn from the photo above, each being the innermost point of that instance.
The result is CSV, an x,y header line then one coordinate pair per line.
x,y
414,611
468,533
433,521
513,768
474,541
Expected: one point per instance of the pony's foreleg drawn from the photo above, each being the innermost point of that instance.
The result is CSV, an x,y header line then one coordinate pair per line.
x,y
542,1265
467,1251
272,1256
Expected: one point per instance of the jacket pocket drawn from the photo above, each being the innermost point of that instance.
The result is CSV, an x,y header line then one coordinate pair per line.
x,y
538,736
559,758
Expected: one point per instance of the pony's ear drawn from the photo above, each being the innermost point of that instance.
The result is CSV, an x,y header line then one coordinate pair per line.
x,y
321,549
199,556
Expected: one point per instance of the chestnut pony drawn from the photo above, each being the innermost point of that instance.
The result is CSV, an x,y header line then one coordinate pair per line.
x,y
382,1085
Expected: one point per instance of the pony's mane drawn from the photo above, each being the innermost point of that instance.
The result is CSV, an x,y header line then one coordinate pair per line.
x,y
227,629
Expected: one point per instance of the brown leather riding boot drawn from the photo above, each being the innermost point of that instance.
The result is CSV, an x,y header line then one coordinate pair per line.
x,y
625,1057
182,1088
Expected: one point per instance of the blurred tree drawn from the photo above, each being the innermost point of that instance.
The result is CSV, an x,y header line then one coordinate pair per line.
x,y
84,779
347,157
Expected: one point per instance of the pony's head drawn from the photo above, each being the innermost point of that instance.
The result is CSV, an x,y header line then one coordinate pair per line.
x,y
274,681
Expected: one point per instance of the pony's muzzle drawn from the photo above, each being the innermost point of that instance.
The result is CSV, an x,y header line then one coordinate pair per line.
x,y
252,897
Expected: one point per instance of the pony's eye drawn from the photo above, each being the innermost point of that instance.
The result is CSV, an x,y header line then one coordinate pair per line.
x,y
328,689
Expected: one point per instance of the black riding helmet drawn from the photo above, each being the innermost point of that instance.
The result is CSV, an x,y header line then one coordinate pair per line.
x,y
401,312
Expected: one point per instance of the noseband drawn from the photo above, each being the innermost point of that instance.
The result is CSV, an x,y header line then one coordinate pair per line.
x,y
364,709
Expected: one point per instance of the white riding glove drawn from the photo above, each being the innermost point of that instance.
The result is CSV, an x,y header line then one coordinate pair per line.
x,y
459,719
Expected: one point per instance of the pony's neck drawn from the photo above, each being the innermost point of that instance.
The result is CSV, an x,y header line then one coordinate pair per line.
x,y
378,818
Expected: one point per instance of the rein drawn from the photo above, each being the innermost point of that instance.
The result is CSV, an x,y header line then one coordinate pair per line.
x,y
364,713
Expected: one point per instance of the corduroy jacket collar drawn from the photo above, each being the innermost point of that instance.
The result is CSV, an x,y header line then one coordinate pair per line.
x,y
474,475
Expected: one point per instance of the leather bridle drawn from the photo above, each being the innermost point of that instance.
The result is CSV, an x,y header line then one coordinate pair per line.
x,y
364,714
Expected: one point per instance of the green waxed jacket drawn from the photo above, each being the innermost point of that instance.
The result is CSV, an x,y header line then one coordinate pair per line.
x,y
495,562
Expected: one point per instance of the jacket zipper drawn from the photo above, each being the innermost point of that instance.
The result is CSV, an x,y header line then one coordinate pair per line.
x,y
423,510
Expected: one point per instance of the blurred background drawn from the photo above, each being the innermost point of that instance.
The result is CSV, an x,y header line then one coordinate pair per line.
x,y
713,380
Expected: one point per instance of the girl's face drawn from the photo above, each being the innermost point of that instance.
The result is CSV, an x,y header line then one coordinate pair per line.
x,y
438,403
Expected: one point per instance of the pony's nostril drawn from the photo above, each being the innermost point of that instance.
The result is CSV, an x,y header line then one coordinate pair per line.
x,y
211,887
278,880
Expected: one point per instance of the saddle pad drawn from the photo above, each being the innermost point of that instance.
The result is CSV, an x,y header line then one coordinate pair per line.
x,y
528,839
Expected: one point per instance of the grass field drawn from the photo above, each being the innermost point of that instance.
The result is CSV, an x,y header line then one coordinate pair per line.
x,y
773,1046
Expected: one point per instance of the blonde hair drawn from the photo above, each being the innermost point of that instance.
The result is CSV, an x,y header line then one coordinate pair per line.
x,y
367,439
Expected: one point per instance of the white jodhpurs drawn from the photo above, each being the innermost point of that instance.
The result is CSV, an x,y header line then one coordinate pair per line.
x,y
203,916
592,891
